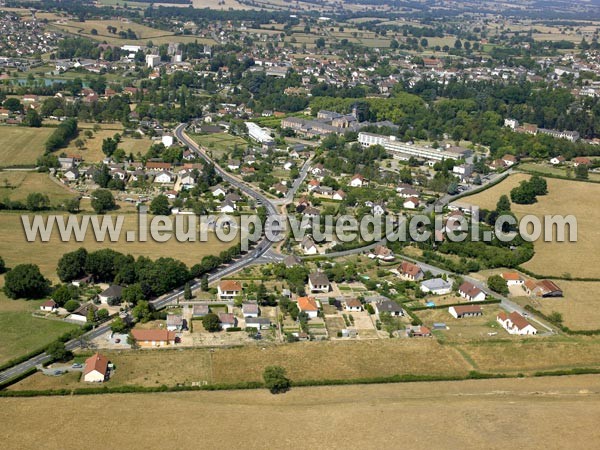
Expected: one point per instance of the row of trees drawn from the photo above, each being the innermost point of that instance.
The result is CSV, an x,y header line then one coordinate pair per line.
x,y
61,136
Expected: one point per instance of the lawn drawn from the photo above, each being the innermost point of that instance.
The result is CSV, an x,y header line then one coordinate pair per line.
x,y
549,169
18,185
20,332
219,144
16,250
22,145
579,259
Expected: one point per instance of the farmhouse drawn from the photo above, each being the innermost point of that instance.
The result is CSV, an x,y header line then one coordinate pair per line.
x,y
229,289
410,271
95,369
49,306
411,203
460,311
515,323
471,292
81,313
308,305
153,338
542,288
357,181
318,282
436,286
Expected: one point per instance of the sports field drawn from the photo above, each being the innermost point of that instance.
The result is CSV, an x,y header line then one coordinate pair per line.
x,y
538,413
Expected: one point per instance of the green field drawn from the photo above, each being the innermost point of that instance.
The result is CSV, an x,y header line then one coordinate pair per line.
x,y
21,145
17,185
20,332
219,143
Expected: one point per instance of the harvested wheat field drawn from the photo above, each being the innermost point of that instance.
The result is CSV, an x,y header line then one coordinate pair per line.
x,y
15,249
558,412
579,259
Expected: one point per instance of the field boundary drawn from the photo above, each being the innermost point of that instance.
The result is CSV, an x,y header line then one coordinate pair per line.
x,y
406,378
557,177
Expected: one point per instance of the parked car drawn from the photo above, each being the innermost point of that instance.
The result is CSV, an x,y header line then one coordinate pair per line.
x,y
77,366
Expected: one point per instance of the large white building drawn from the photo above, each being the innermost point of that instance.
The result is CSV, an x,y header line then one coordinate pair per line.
x,y
260,135
402,150
152,60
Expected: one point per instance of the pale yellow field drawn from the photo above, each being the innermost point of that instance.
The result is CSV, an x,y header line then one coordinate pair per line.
x,y
540,413
92,152
580,259
16,250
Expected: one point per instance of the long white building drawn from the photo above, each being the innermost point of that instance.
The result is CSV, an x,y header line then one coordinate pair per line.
x,y
402,150
260,135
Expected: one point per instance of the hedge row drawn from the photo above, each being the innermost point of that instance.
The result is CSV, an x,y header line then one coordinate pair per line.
x,y
557,177
405,378
538,276
484,302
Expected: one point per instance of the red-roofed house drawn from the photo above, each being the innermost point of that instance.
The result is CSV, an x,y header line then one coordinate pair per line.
x,y
471,292
515,323
95,369
153,338
410,271
229,289
512,278
49,306
308,305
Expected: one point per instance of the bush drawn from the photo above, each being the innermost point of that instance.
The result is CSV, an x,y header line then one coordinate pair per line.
x,y
275,379
211,322
71,305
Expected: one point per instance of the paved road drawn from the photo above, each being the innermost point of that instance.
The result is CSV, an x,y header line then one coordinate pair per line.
x,y
260,253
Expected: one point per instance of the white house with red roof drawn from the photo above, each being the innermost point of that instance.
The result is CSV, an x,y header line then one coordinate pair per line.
x,y
515,323
95,369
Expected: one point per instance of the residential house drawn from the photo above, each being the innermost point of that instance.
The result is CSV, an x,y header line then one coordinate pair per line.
x,y
515,323
409,271
582,161
80,314
95,369
313,185
308,305
227,320
353,305
382,253
260,323
557,160
153,338
389,306
233,165
229,289
436,286
358,181
175,322
111,295
227,207
164,177
471,292
250,310
318,282
512,278
509,160
217,191
460,311
49,306
339,195
72,174
411,203
308,246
